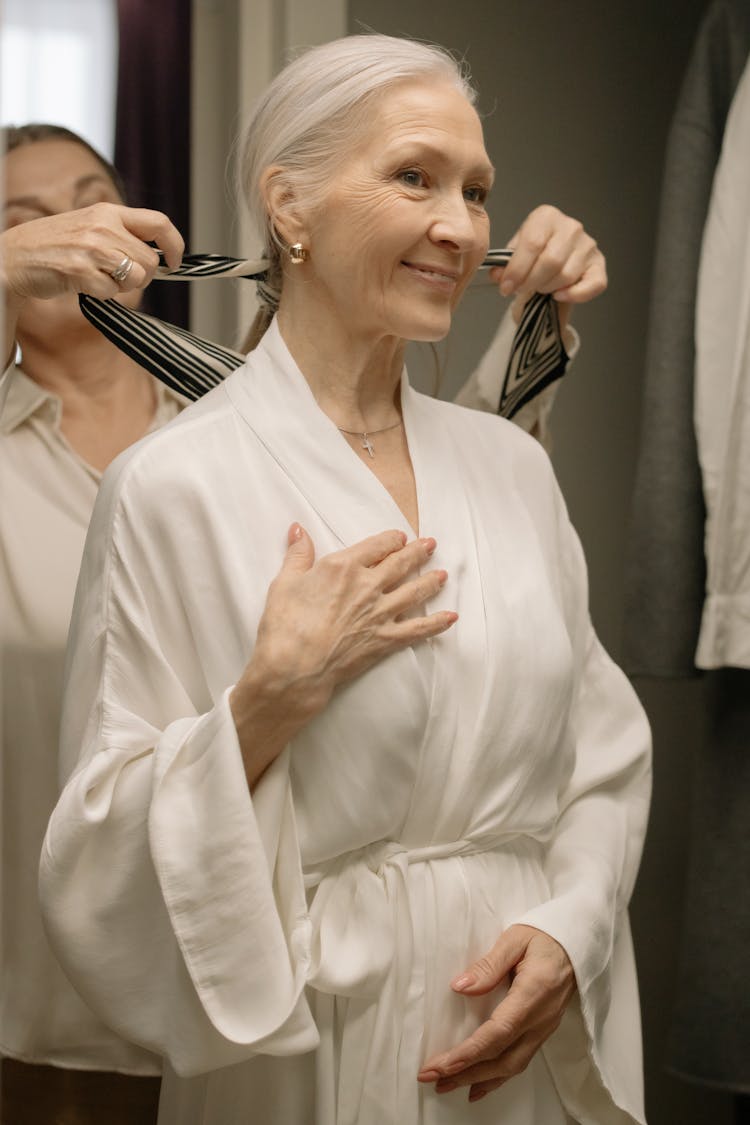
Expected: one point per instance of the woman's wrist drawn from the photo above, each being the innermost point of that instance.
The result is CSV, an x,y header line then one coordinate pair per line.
x,y
268,711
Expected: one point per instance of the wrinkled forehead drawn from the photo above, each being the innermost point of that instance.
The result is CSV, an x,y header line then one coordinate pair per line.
x,y
40,166
432,110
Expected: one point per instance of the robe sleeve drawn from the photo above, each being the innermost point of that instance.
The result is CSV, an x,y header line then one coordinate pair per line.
x,y
482,389
592,858
173,899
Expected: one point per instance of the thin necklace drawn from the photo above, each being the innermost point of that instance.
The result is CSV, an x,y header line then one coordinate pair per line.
x,y
366,443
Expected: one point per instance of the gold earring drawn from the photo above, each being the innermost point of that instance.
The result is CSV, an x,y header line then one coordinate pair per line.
x,y
297,253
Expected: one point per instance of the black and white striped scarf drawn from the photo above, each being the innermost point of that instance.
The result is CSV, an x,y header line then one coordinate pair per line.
x,y
191,365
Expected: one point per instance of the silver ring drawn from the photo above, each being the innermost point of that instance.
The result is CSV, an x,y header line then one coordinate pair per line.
x,y
120,273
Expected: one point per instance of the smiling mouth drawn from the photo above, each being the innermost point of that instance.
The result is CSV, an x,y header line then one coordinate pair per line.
x,y
429,273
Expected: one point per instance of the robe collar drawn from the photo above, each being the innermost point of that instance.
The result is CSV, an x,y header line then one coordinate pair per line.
x,y
275,400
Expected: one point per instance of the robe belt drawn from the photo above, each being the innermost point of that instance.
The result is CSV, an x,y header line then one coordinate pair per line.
x,y
361,921
362,948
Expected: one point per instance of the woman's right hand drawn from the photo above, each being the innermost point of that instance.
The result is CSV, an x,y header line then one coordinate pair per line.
x,y
324,623
76,251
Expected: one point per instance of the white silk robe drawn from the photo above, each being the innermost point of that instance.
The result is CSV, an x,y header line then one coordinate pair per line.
x,y
497,774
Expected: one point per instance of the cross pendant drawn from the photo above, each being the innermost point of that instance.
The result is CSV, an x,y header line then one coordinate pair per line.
x,y
367,444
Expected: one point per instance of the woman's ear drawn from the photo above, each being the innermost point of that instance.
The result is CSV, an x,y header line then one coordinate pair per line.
x,y
282,205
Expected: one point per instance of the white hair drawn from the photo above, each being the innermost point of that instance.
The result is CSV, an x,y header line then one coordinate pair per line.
x,y
315,109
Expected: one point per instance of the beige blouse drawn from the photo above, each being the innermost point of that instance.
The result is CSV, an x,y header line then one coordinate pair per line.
x,y
47,493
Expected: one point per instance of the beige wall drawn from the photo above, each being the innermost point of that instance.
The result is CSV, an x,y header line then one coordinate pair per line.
x,y
238,45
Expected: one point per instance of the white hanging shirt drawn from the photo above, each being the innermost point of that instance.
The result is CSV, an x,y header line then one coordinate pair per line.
x,y
722,396
498,774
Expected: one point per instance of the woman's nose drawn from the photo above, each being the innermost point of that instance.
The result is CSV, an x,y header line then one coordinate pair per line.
x,y
453,224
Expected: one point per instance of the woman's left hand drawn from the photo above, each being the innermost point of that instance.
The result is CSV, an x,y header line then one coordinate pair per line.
x,y
552,253
542,984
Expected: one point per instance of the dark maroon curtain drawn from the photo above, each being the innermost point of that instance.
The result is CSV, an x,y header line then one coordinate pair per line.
x,y
152,139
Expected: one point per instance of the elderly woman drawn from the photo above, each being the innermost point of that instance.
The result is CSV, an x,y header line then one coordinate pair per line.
x,y
357,799
73,403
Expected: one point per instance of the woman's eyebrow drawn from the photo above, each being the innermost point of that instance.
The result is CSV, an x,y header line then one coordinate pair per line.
x,y
411,145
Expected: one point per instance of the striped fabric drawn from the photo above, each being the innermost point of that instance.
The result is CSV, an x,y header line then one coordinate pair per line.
x,y
185,362
537,357
191,365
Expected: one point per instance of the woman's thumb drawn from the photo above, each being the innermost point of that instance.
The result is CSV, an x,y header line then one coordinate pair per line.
x,y
300,554
492,969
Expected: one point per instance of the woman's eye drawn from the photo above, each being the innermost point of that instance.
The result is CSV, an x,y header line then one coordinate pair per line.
x,y
15,216
412,177
475,194
92,197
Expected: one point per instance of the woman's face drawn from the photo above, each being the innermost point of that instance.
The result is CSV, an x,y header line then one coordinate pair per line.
x,y
48,178
52,176
404,225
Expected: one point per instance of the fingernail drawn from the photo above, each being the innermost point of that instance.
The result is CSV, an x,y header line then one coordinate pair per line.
x,y
295,532
455,1067
442,577
506,288
478,1096
428,1075
430,545
464,981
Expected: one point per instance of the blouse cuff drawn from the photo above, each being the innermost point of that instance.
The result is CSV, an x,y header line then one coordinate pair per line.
x,y
483,388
